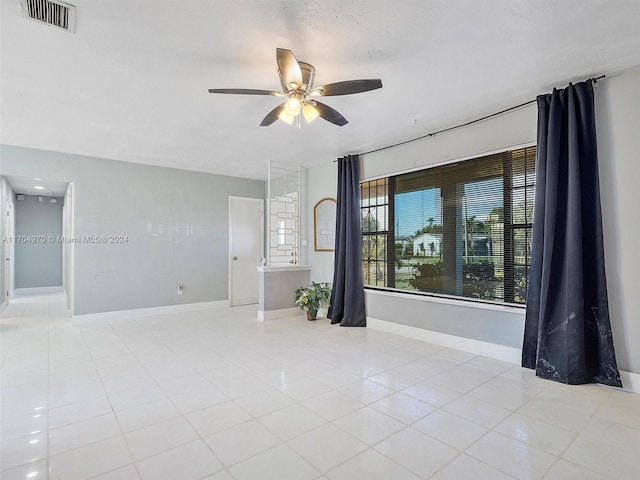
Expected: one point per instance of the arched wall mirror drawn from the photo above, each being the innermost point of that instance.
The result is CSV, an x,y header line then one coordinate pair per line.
x,y
324,225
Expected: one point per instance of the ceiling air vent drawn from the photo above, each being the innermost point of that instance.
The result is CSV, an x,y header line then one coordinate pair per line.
x,y
53,13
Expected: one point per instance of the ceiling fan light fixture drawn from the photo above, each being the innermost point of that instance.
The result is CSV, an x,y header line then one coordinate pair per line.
x,y
310,113
285,117
293,106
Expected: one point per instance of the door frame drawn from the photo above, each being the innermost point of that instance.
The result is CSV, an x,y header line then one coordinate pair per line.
x,y
8,253
230,253
68,233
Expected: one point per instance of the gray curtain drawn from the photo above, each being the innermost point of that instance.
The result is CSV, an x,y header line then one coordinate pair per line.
x,y
567,334
347,296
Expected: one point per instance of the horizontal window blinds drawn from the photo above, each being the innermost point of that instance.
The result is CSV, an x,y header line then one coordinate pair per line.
x,y
460,229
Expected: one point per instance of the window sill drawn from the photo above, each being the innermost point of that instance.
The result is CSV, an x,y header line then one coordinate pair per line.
x,y
420,297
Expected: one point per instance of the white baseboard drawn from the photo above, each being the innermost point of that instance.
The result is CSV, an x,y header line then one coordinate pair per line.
x,y
493,350
264,315
630,380
89,318
38,290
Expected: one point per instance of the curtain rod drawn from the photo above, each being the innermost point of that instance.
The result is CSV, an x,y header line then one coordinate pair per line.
x,y
466,124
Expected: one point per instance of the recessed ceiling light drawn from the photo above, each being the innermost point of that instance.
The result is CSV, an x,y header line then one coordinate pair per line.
x,y
38,187
37,179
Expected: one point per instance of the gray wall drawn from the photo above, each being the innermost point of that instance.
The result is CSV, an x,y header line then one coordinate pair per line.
x,y
493,324
618,109
37,263
277,288
175,223
618,124
325,180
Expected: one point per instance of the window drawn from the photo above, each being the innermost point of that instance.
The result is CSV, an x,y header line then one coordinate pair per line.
x,y
374,221
462,229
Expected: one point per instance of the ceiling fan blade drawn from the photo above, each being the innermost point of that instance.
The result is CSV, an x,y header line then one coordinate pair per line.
x,y
245,91
272,116
308,75
347,88
330,115
289,68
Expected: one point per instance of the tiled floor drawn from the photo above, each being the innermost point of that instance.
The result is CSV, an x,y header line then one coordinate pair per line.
x,y
218,395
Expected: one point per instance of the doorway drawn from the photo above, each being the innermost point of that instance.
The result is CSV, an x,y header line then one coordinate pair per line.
x,y
246,248
38,246
38,216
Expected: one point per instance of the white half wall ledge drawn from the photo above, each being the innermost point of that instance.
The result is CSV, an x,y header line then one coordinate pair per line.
x,y
101,317
282,268
630,380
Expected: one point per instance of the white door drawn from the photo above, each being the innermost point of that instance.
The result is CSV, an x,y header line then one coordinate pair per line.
x,y
246,248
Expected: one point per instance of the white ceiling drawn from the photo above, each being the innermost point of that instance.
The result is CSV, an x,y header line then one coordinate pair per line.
x,y
131,83
26,186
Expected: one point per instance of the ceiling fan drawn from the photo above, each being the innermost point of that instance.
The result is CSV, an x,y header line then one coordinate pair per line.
x,y
296,79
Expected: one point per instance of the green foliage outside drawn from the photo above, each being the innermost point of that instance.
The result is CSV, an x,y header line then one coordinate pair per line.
x,y
479,279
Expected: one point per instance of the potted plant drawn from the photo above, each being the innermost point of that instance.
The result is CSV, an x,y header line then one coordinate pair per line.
x,y
310,298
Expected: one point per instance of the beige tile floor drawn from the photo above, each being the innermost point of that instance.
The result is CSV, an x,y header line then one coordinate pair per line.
x,y
217,395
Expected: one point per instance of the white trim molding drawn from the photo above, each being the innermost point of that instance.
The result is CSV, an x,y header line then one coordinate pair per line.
x,y
100,317
630,380
3,305
264,315
493,350
38,290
